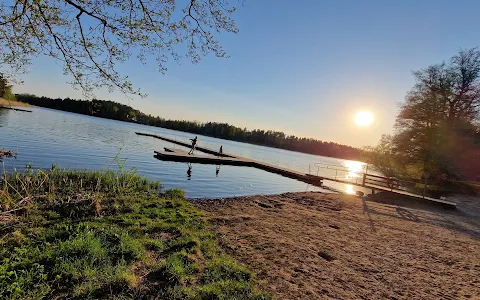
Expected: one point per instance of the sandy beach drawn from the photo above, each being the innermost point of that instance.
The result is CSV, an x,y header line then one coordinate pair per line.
x,y
4,102
331,246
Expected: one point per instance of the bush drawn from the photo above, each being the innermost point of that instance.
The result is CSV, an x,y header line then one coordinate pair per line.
x,y
175,193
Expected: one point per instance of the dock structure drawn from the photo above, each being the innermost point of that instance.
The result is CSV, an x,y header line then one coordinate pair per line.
x,y
183,156
14,108
188,145
369,181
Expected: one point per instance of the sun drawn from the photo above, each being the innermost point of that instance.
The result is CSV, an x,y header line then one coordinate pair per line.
x,y
363,118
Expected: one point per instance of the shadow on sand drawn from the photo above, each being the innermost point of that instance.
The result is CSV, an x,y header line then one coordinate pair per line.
x,y
464,219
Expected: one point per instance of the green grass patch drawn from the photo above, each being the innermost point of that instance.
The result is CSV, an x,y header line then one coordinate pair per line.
x,y
105,235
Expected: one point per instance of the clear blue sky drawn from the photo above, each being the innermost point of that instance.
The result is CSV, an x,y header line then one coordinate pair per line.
x,y
302,67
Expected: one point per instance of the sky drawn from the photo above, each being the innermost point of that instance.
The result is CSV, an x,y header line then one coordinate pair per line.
x,y
301,67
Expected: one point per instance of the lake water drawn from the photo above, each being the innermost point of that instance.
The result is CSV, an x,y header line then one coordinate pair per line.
x,y
45,137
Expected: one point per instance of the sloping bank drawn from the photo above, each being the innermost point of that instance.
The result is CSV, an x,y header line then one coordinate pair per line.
x,y
80,235
4,102
331,246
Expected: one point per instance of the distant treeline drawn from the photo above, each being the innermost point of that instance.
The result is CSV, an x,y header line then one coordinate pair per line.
x,y
121,112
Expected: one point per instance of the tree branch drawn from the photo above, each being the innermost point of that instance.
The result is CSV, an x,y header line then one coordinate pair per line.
x,y
17,17
92,59
192,3
59,44
82,10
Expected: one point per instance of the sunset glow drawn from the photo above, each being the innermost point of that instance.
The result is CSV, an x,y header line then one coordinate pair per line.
x,y
363,118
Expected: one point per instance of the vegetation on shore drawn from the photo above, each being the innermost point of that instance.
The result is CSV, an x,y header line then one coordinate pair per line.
x,y
8,103
5,90
437,132
81,234
117,111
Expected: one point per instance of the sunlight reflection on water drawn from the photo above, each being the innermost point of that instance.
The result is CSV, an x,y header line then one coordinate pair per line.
x,y
45,137
355,169
349,189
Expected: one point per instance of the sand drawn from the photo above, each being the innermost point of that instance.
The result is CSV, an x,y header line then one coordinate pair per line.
x,y
4,102
331,246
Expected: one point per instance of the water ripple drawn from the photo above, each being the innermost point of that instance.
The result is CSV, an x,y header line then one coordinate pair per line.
x,y
45,137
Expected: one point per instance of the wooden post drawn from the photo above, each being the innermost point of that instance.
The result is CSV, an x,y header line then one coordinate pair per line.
x,y
364,178
425,187
426,175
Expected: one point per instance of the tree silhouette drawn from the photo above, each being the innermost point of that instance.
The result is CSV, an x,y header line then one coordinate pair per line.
x,y
437,127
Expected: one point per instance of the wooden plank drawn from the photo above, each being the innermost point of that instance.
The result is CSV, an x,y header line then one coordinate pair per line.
x,y
175,150
13,108
185,157
405,193
377,176
184,144
237,161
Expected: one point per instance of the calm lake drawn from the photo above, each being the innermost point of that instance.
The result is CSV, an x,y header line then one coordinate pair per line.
x,y
45,137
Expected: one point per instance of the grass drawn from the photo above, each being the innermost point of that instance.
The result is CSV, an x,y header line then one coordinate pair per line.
x,y
109,235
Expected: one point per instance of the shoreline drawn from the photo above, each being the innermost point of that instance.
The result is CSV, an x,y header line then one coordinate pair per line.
x,y
13,103
205,135
313,245
303,245
110,235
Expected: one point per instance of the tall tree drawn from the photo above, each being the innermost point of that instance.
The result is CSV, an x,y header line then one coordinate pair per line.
x,y
90,37
438,118
445,92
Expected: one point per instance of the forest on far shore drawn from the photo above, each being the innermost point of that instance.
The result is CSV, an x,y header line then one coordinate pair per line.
x,y
117,111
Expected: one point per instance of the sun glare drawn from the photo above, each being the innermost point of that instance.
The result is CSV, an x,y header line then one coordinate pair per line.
x,y
349,189
355,169
363,118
